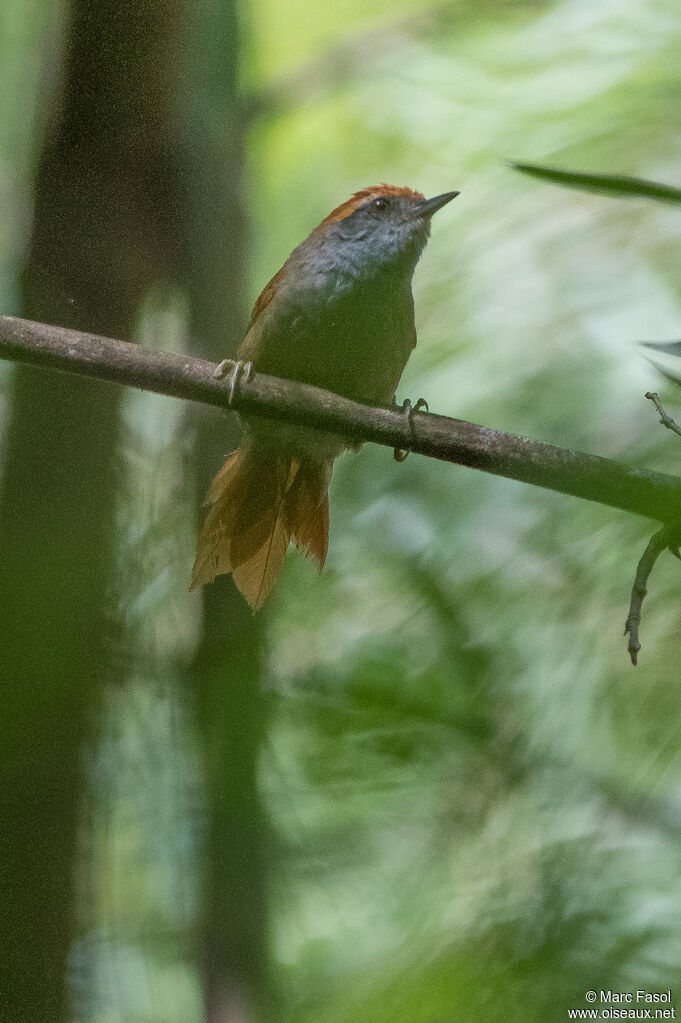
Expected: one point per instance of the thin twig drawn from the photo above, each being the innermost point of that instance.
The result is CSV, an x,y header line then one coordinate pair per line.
x,y
642,491
664,418
668,537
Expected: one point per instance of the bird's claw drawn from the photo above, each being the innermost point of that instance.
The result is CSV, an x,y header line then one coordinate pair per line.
x,y
223,368
398,454
240,371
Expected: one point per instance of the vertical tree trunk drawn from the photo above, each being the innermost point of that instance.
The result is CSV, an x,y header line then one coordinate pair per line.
x,y
226,675
103,231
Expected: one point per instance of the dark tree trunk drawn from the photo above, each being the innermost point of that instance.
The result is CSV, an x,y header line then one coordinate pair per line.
x,y
226,675
103,231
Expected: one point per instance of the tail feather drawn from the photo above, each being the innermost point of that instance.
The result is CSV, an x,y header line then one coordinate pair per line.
x,y
313,535
223,479
255,578
246,544
307,510
256,490
258,502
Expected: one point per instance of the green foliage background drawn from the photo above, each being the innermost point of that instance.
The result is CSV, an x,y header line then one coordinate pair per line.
x,y
473,796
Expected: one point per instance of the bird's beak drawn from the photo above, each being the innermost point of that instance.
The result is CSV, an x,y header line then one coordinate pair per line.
x,y
430,206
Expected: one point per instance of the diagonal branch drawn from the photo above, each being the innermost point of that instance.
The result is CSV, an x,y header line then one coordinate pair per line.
x,y
642,491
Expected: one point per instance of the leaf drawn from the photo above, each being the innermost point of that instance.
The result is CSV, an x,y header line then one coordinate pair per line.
x,y
614,185
672,349
666,347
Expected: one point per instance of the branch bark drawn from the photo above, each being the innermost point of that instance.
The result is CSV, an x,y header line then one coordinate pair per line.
x,y
591,477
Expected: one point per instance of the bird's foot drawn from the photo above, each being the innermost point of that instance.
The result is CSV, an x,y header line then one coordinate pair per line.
x,y
408,409
240,371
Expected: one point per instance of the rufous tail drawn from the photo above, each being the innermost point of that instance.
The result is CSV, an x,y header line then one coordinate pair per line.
x,y
259,502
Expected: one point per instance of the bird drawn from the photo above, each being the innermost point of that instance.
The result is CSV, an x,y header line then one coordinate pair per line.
x,y
339,315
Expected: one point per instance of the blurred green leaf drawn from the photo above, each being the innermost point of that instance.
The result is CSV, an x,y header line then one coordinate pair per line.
x,y
613,185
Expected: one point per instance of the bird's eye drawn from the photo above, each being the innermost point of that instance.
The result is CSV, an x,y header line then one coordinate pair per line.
x,y
380,204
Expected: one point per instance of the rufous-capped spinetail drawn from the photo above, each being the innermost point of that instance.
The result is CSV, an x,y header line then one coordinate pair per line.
x,y
339,315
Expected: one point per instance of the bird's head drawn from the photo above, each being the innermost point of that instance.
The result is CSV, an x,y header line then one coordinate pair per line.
x,y
382,227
